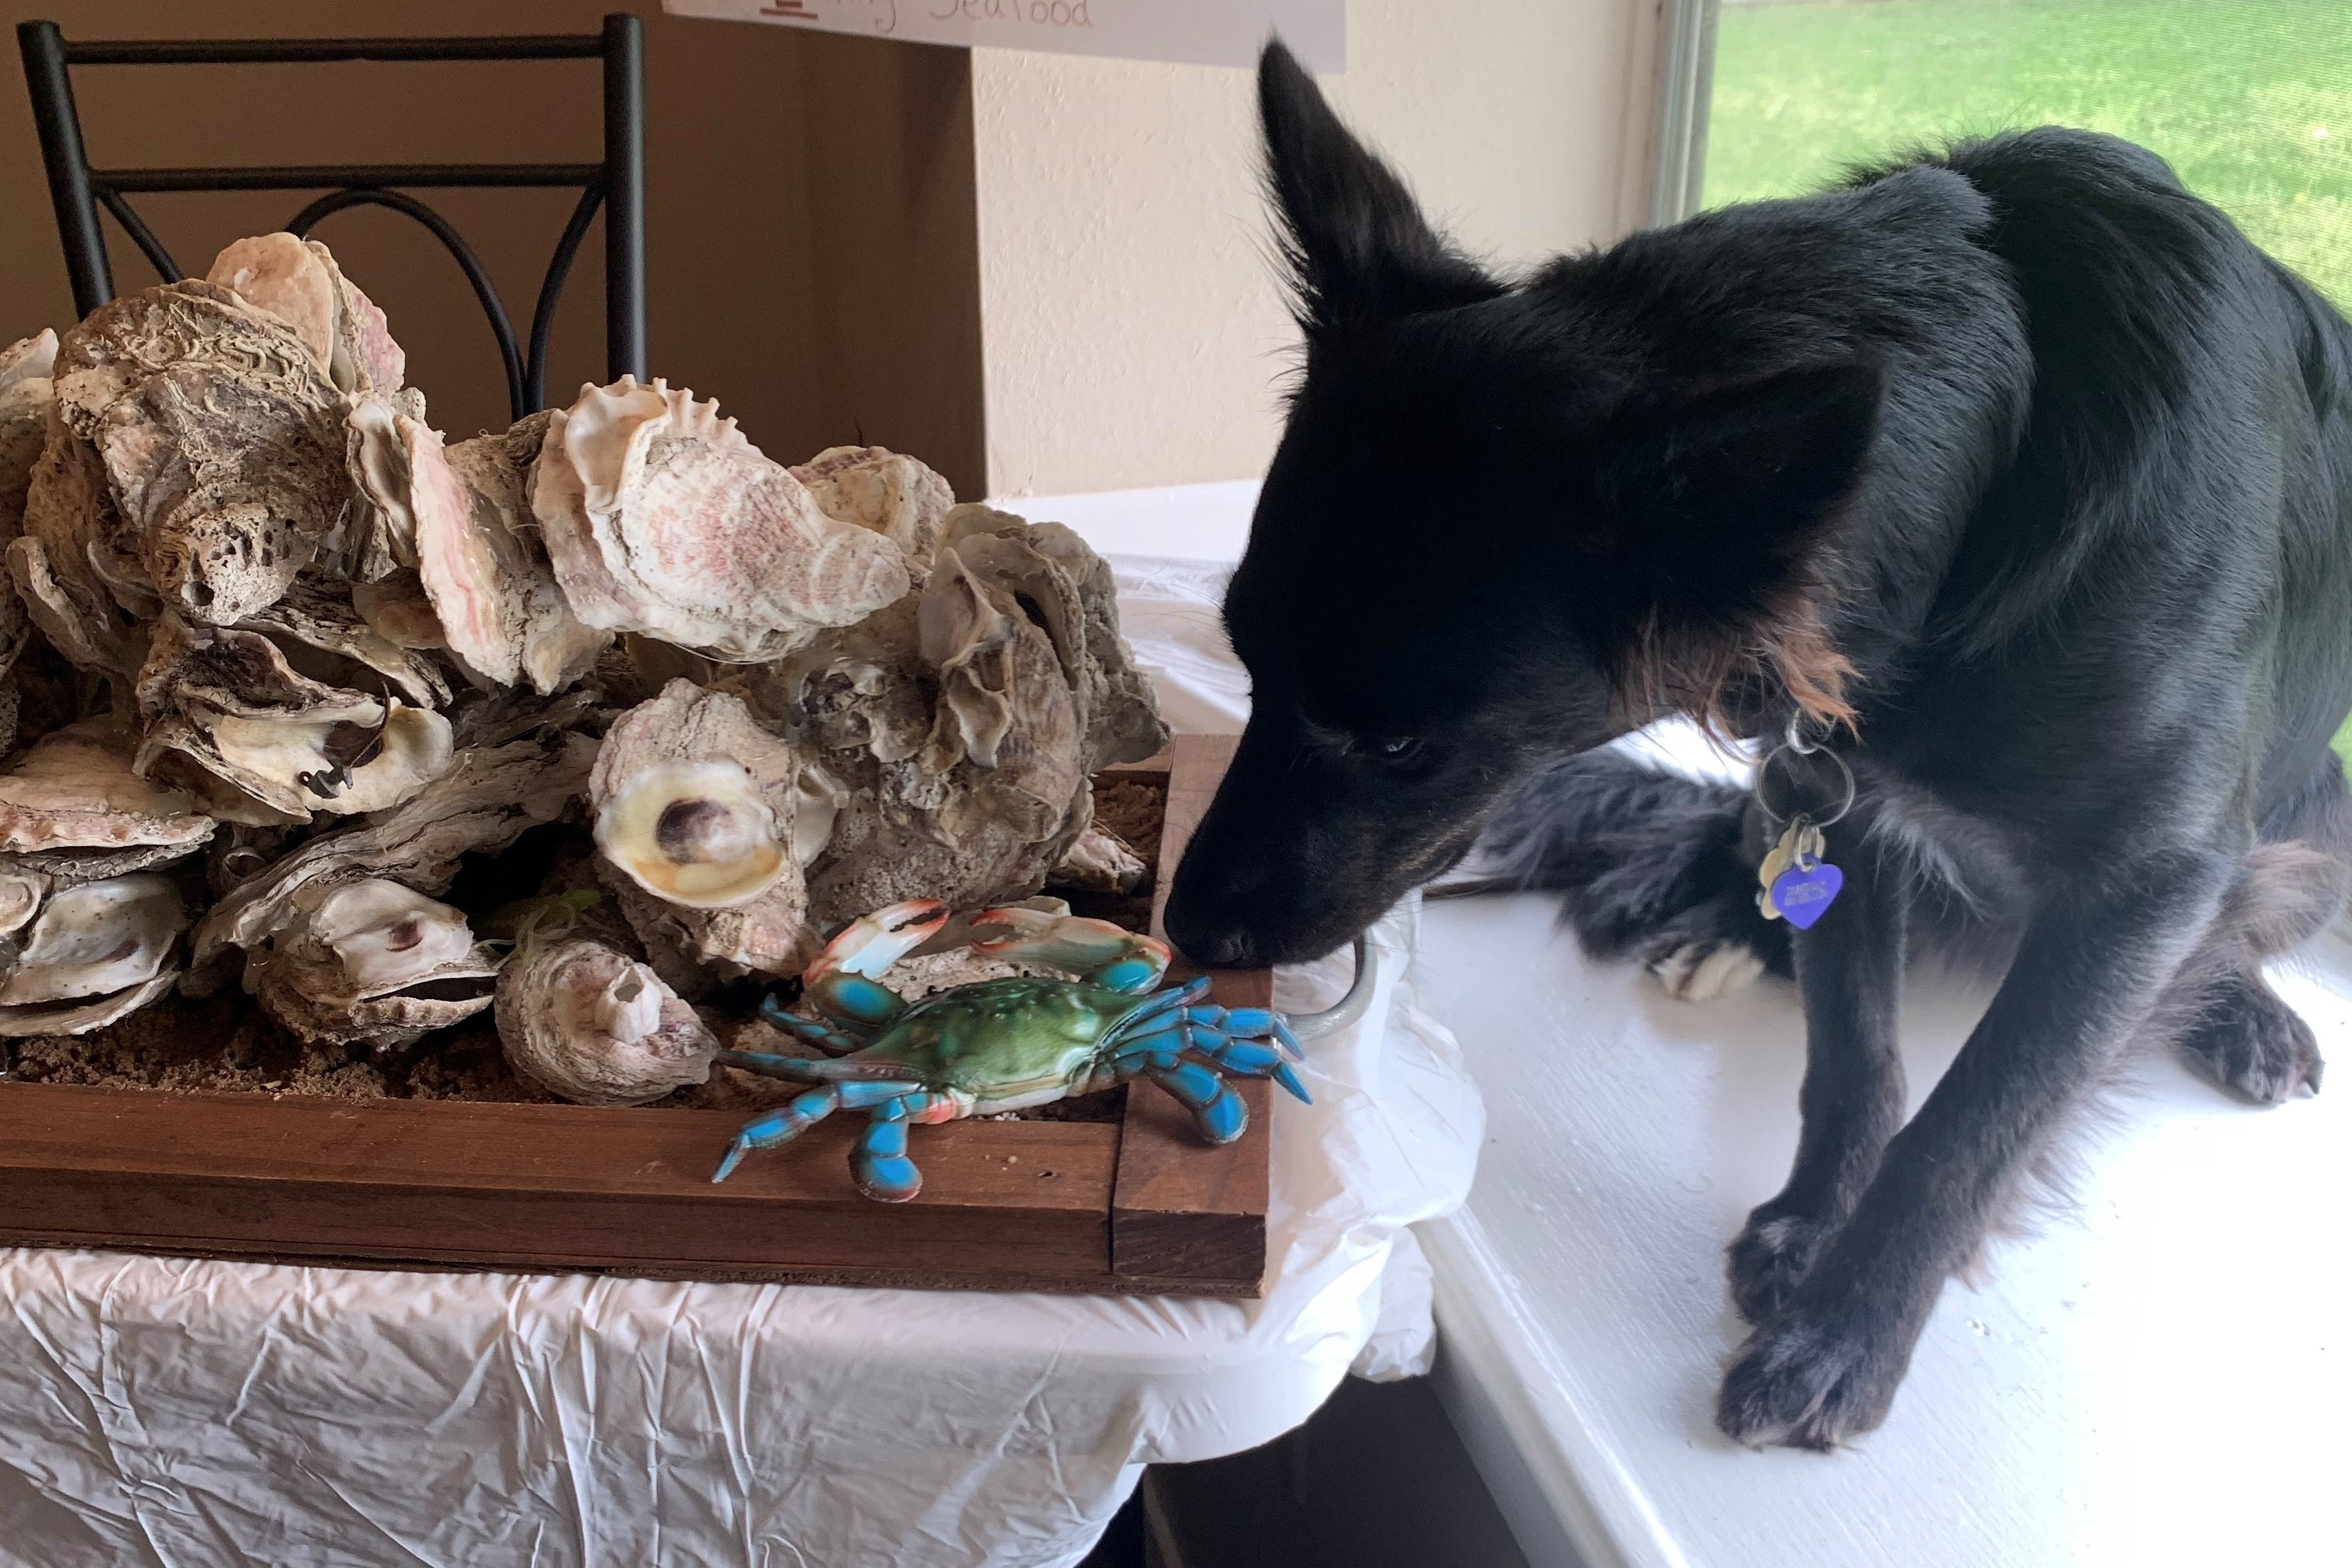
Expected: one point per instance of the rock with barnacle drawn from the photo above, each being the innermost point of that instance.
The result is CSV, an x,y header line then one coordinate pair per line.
x,y
587,1020
221,439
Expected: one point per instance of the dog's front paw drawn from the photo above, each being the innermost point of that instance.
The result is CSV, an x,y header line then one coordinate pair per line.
x,y
1770,1257
1703,971
2255,1045
1803,1383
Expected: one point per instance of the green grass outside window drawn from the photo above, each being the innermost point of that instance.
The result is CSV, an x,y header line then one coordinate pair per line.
x,y
2250,101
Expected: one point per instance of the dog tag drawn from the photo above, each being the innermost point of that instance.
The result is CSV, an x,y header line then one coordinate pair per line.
x,y
1803,893
1797,884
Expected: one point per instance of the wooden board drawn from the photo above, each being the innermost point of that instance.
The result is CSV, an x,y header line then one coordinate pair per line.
x,y
1139,1206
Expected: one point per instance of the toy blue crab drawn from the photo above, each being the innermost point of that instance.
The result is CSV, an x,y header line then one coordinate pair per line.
x,y
1002,1044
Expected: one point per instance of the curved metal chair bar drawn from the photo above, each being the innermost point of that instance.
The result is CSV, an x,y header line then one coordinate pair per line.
x,y
550,290
614,186
501,325
1349,1007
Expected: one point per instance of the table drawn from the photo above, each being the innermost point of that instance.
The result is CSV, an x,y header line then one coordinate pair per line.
x,y
171,1411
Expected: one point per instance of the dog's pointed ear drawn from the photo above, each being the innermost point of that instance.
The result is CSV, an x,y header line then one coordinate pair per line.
x,y
1715,511
1355,240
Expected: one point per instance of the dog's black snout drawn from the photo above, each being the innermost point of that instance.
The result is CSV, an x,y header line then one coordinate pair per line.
x,y
1209,944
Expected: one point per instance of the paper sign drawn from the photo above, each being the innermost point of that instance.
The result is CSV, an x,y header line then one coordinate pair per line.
x,y
1195,32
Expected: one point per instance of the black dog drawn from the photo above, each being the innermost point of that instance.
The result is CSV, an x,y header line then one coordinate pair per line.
x,y
2016,477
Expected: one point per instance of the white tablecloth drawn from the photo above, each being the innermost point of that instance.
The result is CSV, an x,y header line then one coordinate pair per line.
x,y
165,1410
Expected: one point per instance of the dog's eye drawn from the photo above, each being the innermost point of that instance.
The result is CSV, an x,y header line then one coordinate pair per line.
x,y
1398,749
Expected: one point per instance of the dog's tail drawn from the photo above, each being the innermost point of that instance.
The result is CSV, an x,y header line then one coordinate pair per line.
x,y
1646,862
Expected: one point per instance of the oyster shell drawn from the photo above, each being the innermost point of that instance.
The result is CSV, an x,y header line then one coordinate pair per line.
x,y
697,834
25,399
76,791
460,517
229,719
373,963
21,892
597,1026
878,488
660,519
71,523
694,806
297,281
1099,862
81,1018
489,797
949,722
109,940
222,439
324,637
1069,591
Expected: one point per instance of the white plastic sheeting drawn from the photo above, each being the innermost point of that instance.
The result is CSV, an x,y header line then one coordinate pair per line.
x,y
167,1411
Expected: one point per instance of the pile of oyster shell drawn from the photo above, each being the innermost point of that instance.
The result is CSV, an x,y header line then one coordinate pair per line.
x,y
281,666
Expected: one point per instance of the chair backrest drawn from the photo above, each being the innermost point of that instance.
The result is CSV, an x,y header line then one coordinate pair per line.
x,y
617,184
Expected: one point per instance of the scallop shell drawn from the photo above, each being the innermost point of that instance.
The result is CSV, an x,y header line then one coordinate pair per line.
x,y
660,519
374,962
599,1028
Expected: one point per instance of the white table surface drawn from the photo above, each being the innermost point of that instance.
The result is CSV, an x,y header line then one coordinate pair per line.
x,y
2156,1377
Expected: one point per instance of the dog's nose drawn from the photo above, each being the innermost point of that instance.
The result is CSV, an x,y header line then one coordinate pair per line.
x,y
1210,946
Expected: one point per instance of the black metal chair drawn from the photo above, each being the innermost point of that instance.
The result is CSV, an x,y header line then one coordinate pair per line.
x,y
617,184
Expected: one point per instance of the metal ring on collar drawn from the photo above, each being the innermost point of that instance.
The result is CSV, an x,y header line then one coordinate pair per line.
x,y
1348,1009
1800,748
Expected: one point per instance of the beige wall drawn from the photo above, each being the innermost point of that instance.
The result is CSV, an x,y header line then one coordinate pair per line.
x,y
1040,273
1132,334
810,254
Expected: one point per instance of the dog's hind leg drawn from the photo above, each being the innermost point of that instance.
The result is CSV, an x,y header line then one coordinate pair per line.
x,y
1648,863
2235,1029
2251,1043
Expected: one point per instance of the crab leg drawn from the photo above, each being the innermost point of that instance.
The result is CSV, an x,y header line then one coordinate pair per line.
x,y
1216,1109
879,1163
816,1031
804,1111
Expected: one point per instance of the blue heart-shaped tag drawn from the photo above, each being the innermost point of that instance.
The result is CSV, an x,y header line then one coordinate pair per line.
x,y
1803,893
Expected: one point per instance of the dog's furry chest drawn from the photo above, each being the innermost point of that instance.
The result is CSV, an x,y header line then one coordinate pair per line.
x,y
1965,877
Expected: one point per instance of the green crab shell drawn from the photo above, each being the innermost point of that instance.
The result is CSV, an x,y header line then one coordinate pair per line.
x,y
1005,1043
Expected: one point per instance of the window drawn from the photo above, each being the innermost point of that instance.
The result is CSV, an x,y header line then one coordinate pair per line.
x,y
2250,100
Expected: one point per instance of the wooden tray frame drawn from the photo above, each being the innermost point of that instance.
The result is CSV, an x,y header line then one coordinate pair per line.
x,y
1141,1206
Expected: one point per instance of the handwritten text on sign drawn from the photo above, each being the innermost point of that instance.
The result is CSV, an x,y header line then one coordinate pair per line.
x,y
1198,32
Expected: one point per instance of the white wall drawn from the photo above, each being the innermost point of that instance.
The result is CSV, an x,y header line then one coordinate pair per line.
x,y
1132,330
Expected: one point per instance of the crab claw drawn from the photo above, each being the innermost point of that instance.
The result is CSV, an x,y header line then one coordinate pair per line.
x,y
844,980
1112,956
